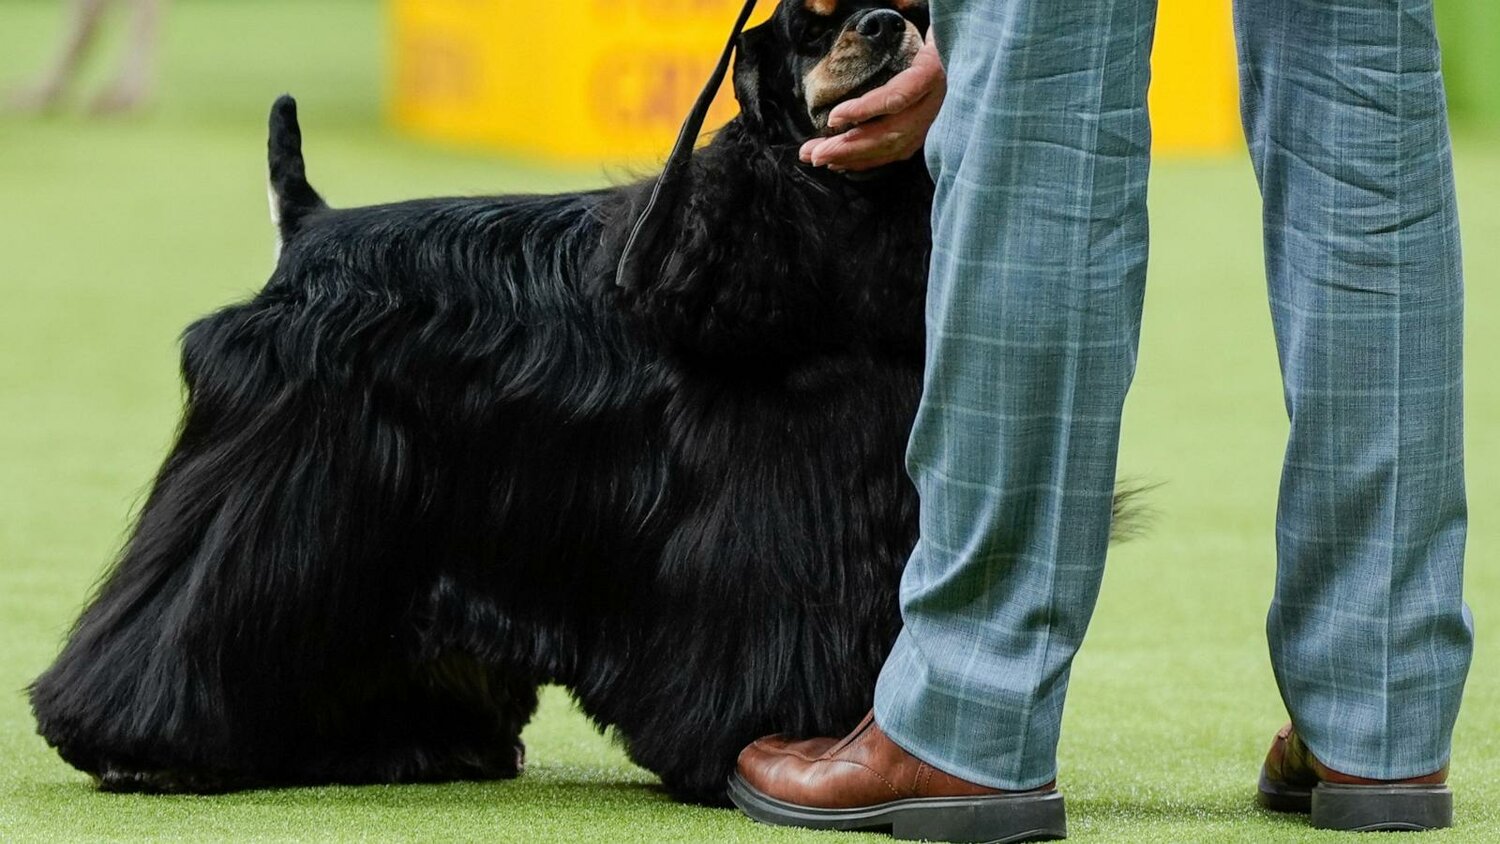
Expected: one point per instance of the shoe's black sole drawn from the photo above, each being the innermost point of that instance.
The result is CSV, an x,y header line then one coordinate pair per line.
x,y
1001,819
1363,808
1382,808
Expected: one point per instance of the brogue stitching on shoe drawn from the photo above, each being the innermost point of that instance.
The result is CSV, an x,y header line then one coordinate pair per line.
x,y
864,727
877,774
798,754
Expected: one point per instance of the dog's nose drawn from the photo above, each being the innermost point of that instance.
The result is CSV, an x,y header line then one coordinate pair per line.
x,y
882,26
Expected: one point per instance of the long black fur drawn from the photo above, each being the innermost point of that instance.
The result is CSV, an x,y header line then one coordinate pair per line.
x,y
441,459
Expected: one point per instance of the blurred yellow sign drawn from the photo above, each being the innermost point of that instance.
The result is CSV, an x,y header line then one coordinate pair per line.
x,y
609,81
1194,89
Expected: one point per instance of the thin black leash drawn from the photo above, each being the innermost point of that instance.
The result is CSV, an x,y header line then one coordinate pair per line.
x,y
627,272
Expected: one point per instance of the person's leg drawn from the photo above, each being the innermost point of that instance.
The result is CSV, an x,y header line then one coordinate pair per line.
x,y
84,17
1040,156
133,83
1345,113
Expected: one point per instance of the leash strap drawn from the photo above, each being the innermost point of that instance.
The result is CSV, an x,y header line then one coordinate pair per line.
x,y
669,184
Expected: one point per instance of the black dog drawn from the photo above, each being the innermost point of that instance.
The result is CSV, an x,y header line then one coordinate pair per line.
x,y
442,458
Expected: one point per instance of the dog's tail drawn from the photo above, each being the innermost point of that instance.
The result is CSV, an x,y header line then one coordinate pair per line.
x,y
292,198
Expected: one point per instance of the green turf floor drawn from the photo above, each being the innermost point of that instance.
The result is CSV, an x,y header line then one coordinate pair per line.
x,y
114,235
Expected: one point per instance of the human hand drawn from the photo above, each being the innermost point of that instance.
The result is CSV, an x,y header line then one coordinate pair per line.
x,y
890,123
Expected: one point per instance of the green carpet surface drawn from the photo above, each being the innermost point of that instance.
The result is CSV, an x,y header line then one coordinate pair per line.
x,y
115,234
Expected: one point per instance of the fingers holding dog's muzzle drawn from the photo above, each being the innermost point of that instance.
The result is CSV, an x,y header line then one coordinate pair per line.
x,y
872,49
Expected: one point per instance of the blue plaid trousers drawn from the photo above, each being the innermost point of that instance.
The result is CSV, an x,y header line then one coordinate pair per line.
x,y
1040,157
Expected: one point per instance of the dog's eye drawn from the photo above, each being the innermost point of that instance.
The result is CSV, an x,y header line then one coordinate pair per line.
x,y
813,34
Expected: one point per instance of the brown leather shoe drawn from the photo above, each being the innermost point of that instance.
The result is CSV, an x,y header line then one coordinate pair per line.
x,y
1293,780
868,782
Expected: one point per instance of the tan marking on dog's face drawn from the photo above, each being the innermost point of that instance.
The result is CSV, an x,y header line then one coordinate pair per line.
x,y
850,64
821,7
907,5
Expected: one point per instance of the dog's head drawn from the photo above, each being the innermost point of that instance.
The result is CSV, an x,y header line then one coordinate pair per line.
x,y
814,54
789,73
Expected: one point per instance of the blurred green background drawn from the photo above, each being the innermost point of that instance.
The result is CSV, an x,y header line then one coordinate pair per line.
x,y
1470,31
114,234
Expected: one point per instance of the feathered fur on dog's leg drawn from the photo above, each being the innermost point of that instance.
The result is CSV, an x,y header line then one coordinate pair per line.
x,y
292,198
140,696
254,631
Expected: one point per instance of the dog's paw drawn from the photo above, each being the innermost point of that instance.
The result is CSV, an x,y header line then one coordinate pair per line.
x,y
122,780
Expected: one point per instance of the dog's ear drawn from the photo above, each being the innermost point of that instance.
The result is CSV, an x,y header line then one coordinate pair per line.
x,y
659,204
753,65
